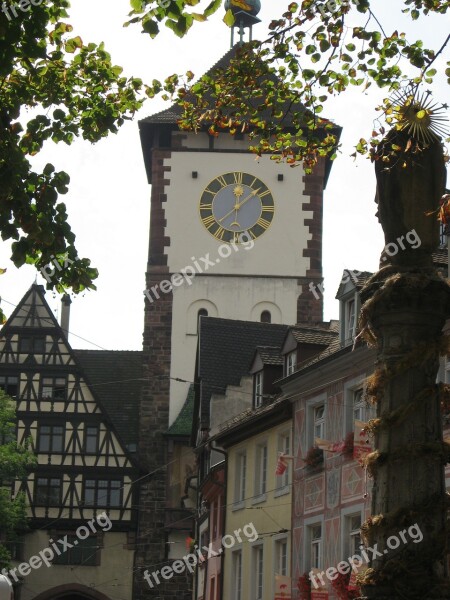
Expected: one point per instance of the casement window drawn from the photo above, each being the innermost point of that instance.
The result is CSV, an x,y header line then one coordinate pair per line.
x,y
10,385
352,528
47,491
315,544
54,388
103,492
237,575
91,439
359,412
31,345
51,438
350,319
241,476
84,553
281,557
319,421
258,389
261,470
291,362
258,570
284,446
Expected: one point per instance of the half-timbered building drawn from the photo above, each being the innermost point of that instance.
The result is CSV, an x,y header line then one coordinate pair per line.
x,y
78,411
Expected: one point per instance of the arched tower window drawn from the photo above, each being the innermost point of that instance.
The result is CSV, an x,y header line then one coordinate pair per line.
x,y
201,313
266,317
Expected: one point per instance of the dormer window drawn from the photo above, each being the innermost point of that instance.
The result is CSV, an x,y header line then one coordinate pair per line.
x,y
291,362
258,389
350,319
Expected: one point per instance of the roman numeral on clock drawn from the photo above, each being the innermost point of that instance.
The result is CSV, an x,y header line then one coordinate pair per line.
x,y
263,223
219,233
208,221
238,178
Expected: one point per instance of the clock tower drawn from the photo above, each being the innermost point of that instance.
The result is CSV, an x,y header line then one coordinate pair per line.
x,y
232,236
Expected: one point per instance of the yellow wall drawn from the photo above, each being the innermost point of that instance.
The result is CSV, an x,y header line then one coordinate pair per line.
x,y
114,576
268,516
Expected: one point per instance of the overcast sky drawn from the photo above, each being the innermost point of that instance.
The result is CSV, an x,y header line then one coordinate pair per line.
x,y
109,198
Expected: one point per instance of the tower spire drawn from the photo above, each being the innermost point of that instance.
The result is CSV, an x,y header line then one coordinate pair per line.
x,y
244,12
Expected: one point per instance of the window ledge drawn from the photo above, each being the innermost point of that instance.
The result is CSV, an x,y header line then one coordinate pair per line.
x,y
238,505
259,499
282,491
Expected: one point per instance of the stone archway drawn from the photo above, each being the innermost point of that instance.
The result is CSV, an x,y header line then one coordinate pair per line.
x,y
72,591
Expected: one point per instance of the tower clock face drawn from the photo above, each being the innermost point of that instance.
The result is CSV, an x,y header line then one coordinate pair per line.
x,y
234,203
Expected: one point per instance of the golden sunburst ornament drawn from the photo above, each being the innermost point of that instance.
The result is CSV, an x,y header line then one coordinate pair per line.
x,y
417,115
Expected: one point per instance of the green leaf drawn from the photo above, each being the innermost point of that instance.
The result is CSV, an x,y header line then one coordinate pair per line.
x,y
229,18
73,44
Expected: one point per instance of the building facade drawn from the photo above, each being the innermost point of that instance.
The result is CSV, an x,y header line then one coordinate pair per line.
x,y
82,494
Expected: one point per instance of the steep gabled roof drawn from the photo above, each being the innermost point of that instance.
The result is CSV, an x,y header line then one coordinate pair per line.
x,y
113,377
116,376
225,350
168,118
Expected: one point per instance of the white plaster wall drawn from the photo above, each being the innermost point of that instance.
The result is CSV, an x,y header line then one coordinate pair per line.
x,y
277,252
237,298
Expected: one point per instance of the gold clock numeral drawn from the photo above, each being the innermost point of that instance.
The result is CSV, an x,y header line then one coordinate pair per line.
x,y
269,209
208,221
206,206
238,178
220,233
253,235
253,182
264,194
221,180
263,223
208,191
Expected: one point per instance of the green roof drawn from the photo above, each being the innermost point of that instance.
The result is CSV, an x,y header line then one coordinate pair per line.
x,y
183,423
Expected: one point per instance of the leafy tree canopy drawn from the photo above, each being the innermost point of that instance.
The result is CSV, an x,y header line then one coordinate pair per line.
x,y
314,51
15,462
54,86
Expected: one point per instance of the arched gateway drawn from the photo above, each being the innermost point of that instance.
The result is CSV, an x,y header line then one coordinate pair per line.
x,y
72,591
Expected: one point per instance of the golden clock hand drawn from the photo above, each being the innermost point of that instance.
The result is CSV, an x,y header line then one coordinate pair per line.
x,y
237,206
248,198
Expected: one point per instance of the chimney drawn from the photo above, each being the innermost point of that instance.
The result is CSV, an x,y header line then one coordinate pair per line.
x,y
65,313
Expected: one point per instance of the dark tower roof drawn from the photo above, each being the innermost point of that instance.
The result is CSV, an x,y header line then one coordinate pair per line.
x,y
155,130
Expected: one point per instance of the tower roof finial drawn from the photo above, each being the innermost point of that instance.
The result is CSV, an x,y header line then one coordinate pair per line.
x,y
244,13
